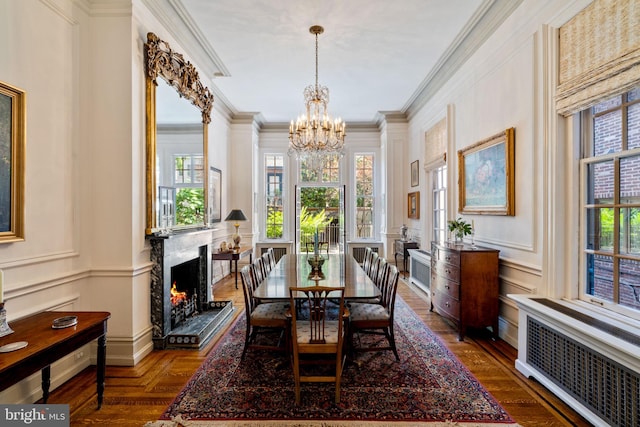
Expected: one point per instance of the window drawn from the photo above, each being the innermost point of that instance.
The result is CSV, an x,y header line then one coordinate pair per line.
x,y
364,195
189,169
328,173
188,178
610,175
273,178
439,191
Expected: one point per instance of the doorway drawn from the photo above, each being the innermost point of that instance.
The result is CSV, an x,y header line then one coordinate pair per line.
x,y
319,220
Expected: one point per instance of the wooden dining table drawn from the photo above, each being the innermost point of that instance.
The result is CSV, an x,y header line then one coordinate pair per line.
x,y
294,270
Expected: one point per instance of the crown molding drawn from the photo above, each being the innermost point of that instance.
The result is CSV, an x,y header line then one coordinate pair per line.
x,y
489,16
176,20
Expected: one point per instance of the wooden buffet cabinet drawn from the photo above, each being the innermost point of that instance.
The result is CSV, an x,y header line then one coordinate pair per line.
x,y
465,286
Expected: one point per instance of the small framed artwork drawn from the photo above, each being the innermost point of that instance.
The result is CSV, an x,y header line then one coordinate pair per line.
x,y
415,174
413,205
215,195
487,176
12,151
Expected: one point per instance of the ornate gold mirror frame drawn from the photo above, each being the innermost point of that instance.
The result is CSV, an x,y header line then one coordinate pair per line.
x,y
163,61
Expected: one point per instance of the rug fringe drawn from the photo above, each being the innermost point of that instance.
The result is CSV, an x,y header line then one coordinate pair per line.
x,y
180,422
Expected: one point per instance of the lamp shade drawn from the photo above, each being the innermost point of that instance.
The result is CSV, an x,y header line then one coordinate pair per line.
x,y
236,215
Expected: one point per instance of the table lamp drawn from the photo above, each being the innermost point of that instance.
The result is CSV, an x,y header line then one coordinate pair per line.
x,y
236,215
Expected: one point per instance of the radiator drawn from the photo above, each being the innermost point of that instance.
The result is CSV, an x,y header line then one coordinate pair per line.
x,y
358,253
420,269
277,252
590,364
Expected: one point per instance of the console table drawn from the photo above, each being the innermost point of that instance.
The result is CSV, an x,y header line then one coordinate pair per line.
x,y
402,249
46,345
232,256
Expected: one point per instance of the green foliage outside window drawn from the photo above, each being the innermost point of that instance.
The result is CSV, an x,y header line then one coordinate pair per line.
x,y
190,206
274,224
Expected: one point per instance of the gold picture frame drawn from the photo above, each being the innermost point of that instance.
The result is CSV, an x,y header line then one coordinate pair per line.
x,y
413,205
12,150
415,174
486,178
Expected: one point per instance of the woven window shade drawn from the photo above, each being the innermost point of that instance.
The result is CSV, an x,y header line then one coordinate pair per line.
x,y
599,54
436,145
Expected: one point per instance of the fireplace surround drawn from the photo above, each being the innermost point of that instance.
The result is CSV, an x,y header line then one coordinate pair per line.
x,y
184,257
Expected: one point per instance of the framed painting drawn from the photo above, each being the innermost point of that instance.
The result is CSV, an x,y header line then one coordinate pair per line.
x,y
413,205
215,195
12,148
487,176
415,174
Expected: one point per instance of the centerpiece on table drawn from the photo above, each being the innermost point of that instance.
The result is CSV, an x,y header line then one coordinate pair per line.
x,y
311,224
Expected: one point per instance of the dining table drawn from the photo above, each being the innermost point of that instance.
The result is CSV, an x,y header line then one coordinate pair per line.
x,y
294,270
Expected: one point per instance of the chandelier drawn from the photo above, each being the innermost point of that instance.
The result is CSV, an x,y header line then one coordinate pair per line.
x,y
315,135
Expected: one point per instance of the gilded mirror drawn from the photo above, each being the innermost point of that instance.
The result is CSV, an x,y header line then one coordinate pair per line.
x,y
178,109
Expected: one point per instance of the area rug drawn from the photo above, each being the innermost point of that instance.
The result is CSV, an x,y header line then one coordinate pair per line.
x,y
429,386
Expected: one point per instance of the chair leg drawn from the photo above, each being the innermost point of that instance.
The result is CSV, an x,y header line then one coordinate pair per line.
x,y
392,341
246,342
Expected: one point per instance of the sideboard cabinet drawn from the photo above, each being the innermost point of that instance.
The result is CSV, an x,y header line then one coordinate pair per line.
x,y
464,285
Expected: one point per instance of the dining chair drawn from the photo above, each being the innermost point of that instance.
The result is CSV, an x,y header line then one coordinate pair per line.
x,y
259,270
317,335
377,280
270,317
373,260
376,318
266,264
373,270
366,260
272,257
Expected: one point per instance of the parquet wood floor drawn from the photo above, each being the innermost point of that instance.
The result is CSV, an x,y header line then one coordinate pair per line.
x,y
135,395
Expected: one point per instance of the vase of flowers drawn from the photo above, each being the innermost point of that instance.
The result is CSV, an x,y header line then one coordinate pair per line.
x,y
460,228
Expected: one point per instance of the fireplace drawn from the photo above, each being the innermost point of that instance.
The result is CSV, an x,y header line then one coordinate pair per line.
x,y
183,294
184,315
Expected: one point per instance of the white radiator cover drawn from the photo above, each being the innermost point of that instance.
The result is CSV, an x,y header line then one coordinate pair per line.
x,y
420,269
595,372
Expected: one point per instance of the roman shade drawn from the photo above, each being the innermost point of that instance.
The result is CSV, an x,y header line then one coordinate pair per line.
x,y
599,54
436,145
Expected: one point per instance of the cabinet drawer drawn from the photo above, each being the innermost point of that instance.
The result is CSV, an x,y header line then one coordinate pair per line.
x,y
444,255
447,271
446,305
446,287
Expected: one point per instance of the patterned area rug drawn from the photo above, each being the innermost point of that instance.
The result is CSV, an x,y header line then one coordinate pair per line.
x,y
429,386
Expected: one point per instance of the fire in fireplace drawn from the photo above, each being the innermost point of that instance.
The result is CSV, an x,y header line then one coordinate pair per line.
x,y
183,293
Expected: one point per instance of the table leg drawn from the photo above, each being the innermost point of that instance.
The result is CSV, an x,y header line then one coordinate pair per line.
x,y
101,367
236,274
46,382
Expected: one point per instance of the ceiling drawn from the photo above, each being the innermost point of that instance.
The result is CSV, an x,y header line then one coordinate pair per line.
x,y
374,55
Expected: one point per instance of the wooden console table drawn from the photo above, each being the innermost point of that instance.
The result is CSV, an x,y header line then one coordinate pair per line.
x,y
232,256
46,345
401,248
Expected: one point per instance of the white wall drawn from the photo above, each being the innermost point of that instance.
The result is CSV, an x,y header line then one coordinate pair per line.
x,y
85,245
500,87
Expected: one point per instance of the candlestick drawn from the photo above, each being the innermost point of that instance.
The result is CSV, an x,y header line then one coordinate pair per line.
x,y
4,326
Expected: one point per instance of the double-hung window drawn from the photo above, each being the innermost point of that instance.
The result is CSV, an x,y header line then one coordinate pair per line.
x,y
610,178
188,178
365,202
274,169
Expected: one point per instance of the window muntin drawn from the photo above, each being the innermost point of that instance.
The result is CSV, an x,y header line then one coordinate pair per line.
x,y
274,172
365,201
439,197
328,173
188,179
188,169
611,206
